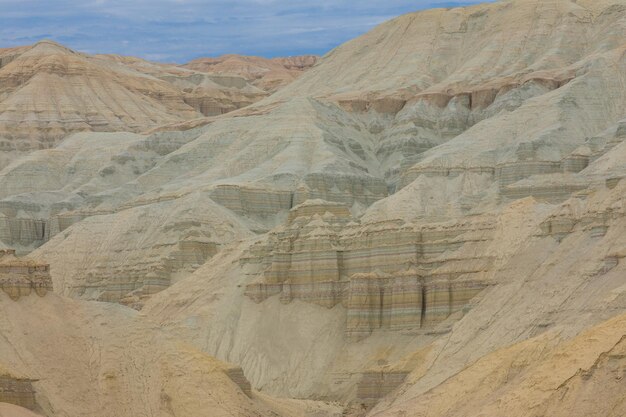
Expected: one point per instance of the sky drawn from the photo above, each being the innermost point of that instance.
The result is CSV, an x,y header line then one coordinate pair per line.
x,y
181,30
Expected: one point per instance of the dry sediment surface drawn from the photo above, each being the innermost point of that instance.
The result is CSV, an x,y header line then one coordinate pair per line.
x,y
429,221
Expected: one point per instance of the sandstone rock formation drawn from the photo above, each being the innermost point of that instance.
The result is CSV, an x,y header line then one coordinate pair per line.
x,y
267,74
17,390
209,94
97,359
427,222
20,277
468,175
48,91
387,275
581,377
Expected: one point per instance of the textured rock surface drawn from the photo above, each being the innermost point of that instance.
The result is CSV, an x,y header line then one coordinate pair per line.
x,y
387,275
580,377
210,94
252,188
48,91
316,334
96,359
16,390
267,74
21,277
429,221
474,185
141,249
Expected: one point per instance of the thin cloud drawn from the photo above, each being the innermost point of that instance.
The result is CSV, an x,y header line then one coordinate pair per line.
x,y
180,30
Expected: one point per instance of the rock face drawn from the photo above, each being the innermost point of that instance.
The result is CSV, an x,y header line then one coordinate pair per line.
x,y
20,277
478,155
185,233
266,74
428,222
387,275
138,175
16,390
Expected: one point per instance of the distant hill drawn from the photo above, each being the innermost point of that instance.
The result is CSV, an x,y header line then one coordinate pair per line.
x,y
267,74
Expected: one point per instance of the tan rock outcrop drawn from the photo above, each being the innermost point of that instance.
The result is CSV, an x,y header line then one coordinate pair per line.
x,y
16,390
102,360
407,301
20,277
49,91
445,188
267,74
186,232
321,258
581,377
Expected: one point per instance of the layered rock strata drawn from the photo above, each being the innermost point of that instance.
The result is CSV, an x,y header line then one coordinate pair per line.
x,y
465,147
80,93
20,277
377,384
23,231
17,390
388,275
404,301
185,233
267,74
49,91
506,175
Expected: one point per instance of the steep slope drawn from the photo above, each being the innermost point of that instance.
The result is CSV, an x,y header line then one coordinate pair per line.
x,y
87,359
537,377
467,127
467,49
444,187
477,157
538,278
266,165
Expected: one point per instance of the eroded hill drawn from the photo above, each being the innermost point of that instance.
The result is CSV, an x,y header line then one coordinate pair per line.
x,y
48,91
267,74
428,222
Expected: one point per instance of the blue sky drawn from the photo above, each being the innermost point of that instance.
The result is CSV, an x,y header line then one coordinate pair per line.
x,y
181,30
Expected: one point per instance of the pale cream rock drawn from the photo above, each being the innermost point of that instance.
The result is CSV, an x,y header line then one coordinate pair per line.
x,y
471,163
